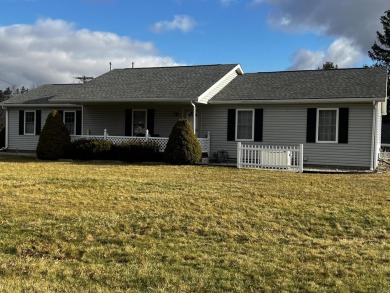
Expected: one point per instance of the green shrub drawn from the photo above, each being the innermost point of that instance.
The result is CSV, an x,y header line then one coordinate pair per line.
x,y
54,138
183,147
86,149
136,152
2,137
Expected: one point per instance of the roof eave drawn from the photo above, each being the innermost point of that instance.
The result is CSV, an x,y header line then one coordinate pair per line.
x,y
299,101
37,105
98,101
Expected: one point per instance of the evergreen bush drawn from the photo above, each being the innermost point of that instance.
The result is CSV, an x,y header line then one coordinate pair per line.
x,y
183,147
86,149
136,152
54,138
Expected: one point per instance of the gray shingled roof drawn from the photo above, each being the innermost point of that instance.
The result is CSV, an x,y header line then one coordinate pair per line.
x,y
162,83
309,84
42,94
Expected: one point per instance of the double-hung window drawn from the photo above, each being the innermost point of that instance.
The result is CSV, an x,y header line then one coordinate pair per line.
x,y
327,125
29,122
139,122
70,121
245,125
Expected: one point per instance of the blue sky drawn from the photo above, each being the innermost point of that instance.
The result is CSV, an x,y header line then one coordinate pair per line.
x,y
48,41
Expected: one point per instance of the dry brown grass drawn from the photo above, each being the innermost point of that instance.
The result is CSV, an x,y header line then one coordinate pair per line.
x,y
103,227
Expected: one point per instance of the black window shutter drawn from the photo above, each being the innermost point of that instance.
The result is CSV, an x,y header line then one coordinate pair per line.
x,y
311,125
343,125
21,122
128,122
258,124
231,125
78,122
37,122
150,123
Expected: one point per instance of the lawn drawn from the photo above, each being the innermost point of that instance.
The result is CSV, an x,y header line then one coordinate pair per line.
x,y
112,227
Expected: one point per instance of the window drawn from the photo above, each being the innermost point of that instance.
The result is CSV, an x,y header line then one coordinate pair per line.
x,y
244,125
70,122
139,122
327,125
29,122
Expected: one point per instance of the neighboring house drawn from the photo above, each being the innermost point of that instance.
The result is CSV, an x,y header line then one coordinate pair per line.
x,y
336,114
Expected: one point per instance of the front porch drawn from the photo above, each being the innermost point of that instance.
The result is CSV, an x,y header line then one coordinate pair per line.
x,y
161,142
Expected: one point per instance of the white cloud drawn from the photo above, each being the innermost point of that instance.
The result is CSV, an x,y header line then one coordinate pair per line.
x,y
342,52
182,23
356,21
54,51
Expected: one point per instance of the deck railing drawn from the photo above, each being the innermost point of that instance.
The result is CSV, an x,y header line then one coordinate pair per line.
x,y
270,157
384,153
161,142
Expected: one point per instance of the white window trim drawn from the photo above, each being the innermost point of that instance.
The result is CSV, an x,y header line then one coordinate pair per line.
x,y
132,117
75,120
253,124
318,124
35,122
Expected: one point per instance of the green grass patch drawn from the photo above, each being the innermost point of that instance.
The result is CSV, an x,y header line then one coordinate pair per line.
x,y
112,227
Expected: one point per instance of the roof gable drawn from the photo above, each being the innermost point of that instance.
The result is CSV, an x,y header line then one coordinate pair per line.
x,y
182,83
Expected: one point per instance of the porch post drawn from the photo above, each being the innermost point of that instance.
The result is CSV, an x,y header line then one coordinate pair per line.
x,y
301,158
105,134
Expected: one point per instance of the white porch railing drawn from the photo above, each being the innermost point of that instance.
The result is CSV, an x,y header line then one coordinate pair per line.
x,y
161,142
270,157
384,153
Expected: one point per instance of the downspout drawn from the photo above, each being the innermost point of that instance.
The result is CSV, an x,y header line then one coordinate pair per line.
x,y
373,136
194,116
6,127
82,117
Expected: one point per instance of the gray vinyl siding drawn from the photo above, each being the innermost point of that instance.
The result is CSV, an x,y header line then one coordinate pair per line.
x,y
286,125
25,142
112,117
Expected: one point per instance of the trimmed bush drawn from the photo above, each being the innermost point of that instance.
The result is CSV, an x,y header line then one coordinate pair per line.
x,y
136,152
183,147
2,137
54,138
86,149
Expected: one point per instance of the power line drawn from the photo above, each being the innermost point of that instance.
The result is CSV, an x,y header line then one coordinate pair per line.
x,y
8,82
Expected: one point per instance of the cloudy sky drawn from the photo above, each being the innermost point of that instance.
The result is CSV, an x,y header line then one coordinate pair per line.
x,y
49,41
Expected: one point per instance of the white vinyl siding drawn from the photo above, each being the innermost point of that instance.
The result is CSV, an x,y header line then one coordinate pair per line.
x,y
327,125
29,122
286,125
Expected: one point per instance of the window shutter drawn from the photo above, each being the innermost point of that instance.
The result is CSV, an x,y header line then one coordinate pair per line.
x,y
21,122
78,122
231,125
343,125
150,121
37,122
258,124
311,125
62,114
128,122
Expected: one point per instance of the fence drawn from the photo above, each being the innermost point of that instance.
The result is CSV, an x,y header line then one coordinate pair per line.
x,y
160,142
384,153
270,157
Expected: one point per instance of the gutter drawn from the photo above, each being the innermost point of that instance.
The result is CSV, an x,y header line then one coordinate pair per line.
x,y
40,105
97,101
297,101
